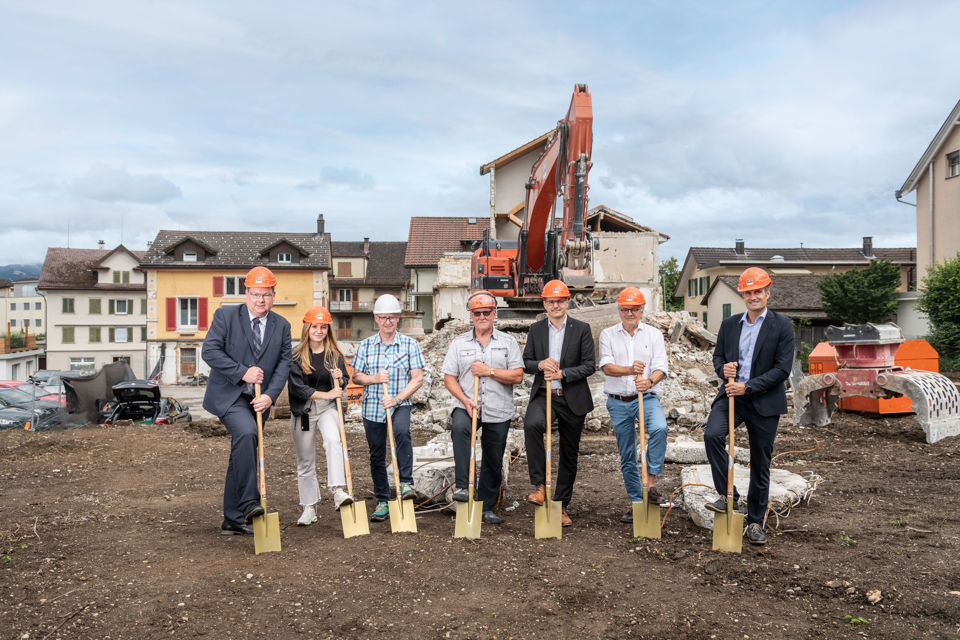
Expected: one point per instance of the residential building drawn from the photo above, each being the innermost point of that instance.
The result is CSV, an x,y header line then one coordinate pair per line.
x,y
6,287
96,308
428,240
362,272
191,274
936,179
508,179
22,310
703,265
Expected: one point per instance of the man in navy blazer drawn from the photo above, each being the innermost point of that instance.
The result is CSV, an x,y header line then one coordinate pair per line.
x,y
756,349
247,344
559,348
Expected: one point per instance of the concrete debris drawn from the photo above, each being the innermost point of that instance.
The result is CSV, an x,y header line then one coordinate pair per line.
x,y
785,487
685,450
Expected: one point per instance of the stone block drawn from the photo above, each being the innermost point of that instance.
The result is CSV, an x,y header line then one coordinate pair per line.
x,y
686,450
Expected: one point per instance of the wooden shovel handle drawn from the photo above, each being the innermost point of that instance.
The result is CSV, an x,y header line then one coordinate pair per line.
x,y
473,436
549,421
730,456
393,446
643,439
343,439
261,474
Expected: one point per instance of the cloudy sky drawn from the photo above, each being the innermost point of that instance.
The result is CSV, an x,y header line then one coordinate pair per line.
x,y
776,122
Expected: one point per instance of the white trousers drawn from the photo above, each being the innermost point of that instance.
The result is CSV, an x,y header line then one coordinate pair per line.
x,y
323,418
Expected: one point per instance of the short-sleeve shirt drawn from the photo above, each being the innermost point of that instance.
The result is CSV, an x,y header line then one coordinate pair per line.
x,y
501,352
398,358
618,347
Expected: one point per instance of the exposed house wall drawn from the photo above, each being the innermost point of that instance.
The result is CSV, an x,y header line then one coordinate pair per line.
x,y
722,295
946,210
452,287
628,259
511,180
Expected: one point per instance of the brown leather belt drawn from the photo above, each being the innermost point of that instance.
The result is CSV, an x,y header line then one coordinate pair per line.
x,y
557,392
622,398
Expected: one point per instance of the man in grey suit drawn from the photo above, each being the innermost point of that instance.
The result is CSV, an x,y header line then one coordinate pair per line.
x,y
247,344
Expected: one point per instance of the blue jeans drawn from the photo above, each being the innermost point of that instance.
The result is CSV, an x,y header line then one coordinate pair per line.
x,y
377,441
624,416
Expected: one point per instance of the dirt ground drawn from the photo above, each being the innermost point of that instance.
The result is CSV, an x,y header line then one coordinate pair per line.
x,y
113,533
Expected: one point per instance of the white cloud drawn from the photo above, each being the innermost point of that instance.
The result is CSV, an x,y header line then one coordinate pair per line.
x,y
110,184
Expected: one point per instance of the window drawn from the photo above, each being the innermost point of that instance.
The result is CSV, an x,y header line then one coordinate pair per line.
x,y
15,371
36,305
704,318
13,306
284,256
119,334
13,322
345,295
120,307
233,286
143,334
68,305
953,164
94,306
121,277
344,269
66,335
82,364
726,310
94,334
143,306
187,317
38,322
189,256
690,288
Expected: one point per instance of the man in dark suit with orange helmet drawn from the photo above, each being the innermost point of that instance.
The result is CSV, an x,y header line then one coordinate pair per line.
x,y
756,350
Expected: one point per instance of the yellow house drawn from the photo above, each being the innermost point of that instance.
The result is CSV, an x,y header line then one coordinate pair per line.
x,y
191,274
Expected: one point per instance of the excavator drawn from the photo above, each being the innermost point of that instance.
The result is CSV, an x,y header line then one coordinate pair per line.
x,y
544,251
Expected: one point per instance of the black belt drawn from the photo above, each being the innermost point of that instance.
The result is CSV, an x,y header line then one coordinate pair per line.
x,y
622,398
557,392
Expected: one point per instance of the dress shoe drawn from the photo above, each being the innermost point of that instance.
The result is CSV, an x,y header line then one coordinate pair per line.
x,y
627,518
308,517
230,529
720,505
538,496
460,495
252,512
654,496
489,517
565,520
755,535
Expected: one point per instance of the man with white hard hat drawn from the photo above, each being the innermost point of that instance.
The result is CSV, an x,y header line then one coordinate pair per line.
x,y
389,357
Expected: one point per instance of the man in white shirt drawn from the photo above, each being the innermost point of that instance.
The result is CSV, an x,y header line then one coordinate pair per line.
x,y
634,359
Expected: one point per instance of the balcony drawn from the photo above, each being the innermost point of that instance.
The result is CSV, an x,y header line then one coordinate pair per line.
x,y
349,306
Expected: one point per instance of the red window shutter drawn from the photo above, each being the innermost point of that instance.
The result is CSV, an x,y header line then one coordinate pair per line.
x,y
217,288
202,313
171,314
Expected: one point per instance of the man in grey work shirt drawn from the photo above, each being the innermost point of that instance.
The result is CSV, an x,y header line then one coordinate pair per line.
x,y
494,358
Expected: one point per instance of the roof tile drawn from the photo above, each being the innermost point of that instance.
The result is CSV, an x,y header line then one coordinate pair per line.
x,y
431,237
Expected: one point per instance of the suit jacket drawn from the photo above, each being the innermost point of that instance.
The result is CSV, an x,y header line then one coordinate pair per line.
x,y
228,349
771,364
577,359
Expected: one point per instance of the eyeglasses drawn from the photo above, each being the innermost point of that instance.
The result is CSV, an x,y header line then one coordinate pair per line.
x,y
631,311
388,318
557,301
260,296
482,314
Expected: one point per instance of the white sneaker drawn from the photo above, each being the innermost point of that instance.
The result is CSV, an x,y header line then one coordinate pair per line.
x,y
341,497
309,516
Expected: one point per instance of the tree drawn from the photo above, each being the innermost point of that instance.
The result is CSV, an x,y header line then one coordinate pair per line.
x,y
861,295
669,274
940,300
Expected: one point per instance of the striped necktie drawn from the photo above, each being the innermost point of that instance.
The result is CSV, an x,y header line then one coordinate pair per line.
x,y
257,344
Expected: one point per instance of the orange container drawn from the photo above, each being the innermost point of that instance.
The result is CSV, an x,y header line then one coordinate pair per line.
x,y
354,390
912,354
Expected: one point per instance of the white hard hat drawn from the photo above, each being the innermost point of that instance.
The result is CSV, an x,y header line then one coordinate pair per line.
x,y
387,304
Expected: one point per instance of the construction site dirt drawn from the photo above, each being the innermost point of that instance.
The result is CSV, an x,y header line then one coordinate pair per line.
x,y
112,532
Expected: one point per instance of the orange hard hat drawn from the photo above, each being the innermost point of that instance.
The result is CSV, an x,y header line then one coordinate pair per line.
x,y
317,315
476,301
753,278
260,277
555,289
631,297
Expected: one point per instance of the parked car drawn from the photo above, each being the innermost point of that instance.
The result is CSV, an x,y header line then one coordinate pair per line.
x,y
46,413
140,401
33,390
14,418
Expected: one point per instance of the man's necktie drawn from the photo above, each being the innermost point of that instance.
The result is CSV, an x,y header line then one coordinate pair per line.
x,y
257,344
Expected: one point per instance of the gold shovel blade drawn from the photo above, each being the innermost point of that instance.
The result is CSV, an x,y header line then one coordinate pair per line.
x,y
728,532
353,517
266,533
546,520
401,517
469,517
646,520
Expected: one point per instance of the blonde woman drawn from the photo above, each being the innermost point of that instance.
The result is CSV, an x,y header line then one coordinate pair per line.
x,y
317,362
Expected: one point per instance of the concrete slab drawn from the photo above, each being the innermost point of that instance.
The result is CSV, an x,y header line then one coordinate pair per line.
x,y
686,450
784,486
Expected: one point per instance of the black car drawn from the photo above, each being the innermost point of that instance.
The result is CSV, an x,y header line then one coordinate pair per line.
x,y
140,401
14,418
46,413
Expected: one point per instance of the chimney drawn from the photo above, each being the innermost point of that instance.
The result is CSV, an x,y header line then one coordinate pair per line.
x,y
149,243
320,224
867,246
740,250
366,246
101,244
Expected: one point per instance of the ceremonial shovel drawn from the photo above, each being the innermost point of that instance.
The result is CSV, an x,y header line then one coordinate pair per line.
x,y
469,512
353,517
266,528
546,520
728,527
646,516
401,516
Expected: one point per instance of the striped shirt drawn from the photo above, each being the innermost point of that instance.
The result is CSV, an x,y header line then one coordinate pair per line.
x,y
398,358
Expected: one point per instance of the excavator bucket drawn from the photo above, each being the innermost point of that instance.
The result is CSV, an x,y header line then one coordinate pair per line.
x,y
866,358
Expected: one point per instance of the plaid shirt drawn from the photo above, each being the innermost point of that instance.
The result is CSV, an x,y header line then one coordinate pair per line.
x,y
398,358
